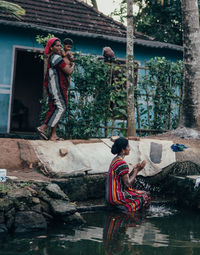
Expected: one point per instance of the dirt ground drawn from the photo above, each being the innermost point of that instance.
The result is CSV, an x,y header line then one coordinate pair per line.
x,y
27,175
11,160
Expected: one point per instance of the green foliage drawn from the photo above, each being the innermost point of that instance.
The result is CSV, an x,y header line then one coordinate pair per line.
x,y
160,89
41,39
92,98
160,19
89,98
97,98
7,186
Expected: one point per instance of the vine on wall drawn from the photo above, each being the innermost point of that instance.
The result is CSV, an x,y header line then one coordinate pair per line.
x,y
97,98
159,92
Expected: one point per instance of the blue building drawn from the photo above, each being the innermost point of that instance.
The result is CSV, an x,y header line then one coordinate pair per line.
x,y
21,69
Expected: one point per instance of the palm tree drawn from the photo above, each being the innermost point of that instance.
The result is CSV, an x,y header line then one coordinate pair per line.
x,y
190,110
94,4
190,113
130,69
13,9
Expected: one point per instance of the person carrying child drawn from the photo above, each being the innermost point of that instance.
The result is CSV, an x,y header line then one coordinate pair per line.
x,y
56,84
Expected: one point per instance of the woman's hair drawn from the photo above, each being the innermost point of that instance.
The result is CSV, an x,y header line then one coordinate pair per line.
x,y
119,145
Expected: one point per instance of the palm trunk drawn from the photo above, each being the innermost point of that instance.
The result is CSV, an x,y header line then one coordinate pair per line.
x,y
190,111
130,70
94,4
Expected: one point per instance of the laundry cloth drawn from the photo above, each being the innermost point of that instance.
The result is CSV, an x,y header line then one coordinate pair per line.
x,y
178,147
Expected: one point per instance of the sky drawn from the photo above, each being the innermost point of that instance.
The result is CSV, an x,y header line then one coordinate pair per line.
x,y
107,6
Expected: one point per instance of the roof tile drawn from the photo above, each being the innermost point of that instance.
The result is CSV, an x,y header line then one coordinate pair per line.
x,y
76,17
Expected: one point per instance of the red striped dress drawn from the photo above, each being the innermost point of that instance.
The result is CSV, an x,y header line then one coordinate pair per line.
x,y
56,84
117,194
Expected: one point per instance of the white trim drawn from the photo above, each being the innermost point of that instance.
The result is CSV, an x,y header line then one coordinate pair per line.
x,y
11,89
33,49
15,47
5,91
4,86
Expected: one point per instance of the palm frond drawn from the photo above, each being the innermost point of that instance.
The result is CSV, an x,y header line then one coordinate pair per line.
x,y
13,9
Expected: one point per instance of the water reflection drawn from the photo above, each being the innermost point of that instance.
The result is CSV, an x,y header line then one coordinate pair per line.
x,y
160,231
128,231
116,231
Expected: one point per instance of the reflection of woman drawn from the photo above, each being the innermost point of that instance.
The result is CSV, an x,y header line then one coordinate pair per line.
x,y
115,231
119,191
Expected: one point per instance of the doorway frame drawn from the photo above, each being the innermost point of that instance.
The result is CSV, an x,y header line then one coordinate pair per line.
x,y
13,74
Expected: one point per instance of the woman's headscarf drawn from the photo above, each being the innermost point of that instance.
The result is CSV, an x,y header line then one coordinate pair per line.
x,y
47,50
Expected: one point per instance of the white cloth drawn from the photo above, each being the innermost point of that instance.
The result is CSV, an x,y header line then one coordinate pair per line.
x,y
96,157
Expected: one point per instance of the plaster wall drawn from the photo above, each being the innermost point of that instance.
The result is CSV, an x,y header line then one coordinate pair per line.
x,y
19,38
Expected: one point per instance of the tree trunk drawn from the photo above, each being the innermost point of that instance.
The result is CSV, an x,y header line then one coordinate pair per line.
x,y
190,111
94,4
130,70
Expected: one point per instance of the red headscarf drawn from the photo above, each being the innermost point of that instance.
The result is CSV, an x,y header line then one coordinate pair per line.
x,y
48,45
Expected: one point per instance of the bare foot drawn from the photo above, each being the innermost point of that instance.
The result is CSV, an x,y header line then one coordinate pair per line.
x,y
56,139
41,133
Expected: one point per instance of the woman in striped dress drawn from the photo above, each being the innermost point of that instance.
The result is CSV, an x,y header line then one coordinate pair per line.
x,y
56,84
119,191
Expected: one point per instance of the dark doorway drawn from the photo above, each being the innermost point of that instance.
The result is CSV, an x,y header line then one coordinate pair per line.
x,y
27,91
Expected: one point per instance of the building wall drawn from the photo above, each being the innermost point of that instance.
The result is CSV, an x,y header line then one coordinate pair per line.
x,y
12,37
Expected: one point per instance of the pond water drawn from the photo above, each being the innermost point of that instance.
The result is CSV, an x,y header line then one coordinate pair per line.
x,y
161,230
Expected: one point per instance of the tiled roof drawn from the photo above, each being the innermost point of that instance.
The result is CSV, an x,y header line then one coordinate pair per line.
x,y
70,17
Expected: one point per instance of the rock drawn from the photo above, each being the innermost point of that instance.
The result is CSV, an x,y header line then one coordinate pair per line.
x,y
65,175
6,204
10,218
95,186
53,190
29,221
43,196
27,154
33,191
35,200
45,207
63,152
36,208
75,218
21,195
2,218
186,133
47,216
61,207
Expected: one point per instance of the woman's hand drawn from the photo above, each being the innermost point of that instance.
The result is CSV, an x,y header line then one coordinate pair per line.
x,y
63,53
140,166
129,179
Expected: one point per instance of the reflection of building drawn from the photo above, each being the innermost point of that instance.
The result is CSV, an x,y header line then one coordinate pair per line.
x,y
147,234
90,233
21,68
